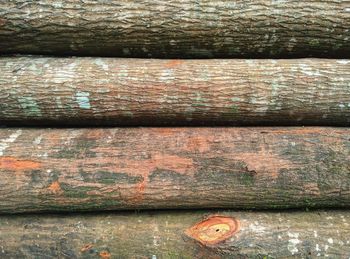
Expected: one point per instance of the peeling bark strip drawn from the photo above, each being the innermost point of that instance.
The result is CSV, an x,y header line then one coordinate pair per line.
x,y
161,235
205,29
101,91
146,168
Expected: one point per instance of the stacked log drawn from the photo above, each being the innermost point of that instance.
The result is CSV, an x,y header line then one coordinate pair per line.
x,y
177,29
181,234
122,92
156,168
99,170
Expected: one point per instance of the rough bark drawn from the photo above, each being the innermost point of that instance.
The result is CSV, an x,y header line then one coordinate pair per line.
x,y
176,28
102,91
163,235
144,168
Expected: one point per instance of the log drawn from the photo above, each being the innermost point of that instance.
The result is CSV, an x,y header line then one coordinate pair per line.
x,y
162,168
177,28
168,235
102,91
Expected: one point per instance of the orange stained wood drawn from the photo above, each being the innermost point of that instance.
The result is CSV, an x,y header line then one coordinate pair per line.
x,y
55,187
86,247
198,143
15,164
178,164
173,63
214,229
311,188
166,131
264,163
105,255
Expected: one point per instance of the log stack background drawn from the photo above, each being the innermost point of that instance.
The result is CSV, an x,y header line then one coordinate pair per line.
x,y
285,143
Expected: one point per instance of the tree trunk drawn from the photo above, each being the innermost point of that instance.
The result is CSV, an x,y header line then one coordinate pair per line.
x,y
178,28
169,235
144,168
95,91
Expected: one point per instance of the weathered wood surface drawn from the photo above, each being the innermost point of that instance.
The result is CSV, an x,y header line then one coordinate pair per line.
x,y
97,91
164,235
189,28
146,168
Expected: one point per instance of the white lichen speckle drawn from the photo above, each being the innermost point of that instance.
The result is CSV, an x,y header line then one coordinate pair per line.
x,y
235,99
330,240
101,64
317,248
64,74
293,242
30,106
278,1
37,140
82,99
167,75
4,144
307,70
57,4
58,102
123,72
343,62
257,228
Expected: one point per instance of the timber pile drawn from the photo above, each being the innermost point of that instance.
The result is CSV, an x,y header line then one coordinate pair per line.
x,y
90,169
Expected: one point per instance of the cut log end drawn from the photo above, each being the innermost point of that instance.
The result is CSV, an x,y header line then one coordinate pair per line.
x,y
213,230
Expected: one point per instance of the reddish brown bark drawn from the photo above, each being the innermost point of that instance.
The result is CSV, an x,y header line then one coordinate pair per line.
x,y
138,168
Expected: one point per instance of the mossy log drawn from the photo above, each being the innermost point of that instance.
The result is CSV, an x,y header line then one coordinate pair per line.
x,y
184,234
102,91
146,168
177,28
